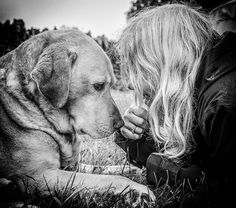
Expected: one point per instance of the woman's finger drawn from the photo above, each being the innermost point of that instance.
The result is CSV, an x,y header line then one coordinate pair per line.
x,y
128,134
137,121
139,111
133,128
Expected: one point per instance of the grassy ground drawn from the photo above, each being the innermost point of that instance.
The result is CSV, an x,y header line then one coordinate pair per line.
x,y
106,153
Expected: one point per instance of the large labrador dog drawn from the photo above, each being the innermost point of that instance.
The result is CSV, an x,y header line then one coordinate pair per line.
x,y
53,88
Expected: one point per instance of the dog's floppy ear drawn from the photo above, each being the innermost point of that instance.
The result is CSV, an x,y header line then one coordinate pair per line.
x,y
52,73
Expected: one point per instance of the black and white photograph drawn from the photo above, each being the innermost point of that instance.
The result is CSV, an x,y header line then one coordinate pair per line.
x,y
117,103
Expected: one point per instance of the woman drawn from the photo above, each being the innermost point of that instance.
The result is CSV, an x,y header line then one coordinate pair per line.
x,y
186,75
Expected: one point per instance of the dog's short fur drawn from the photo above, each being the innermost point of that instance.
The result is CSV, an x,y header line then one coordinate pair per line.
x,y
53,88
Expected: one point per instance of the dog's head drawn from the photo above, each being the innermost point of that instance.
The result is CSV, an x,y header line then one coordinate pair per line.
x,y
74,74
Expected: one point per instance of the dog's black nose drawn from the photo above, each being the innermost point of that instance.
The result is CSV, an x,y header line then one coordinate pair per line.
x,y
118,123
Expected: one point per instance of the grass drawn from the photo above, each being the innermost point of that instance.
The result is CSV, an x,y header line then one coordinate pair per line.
x,y
106,153
181,195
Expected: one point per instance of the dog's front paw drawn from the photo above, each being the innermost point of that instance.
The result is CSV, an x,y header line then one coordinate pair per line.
x,y
134,193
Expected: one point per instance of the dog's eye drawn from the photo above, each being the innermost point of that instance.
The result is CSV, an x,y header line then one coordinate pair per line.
x,y
99,86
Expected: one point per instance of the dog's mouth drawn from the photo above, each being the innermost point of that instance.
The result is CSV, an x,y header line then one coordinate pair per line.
x,y
85,132
82,131
97,133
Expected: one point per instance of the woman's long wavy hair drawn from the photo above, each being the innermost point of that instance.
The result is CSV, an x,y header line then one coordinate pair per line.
x,y
161,51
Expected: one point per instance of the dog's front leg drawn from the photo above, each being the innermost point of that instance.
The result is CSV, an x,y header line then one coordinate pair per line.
x,y
59,179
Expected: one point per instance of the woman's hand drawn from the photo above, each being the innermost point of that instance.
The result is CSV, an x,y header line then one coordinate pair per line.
x,y
136,122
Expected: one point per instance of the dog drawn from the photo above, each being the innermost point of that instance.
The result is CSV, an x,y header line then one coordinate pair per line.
x,y
54,88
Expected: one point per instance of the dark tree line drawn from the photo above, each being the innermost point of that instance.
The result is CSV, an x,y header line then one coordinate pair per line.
x,y
138,5
13,34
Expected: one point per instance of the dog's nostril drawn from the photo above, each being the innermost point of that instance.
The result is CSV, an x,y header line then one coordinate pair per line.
x,y
118,124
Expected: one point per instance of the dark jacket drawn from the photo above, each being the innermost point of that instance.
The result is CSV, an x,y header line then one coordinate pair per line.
x,y
216,109
215,130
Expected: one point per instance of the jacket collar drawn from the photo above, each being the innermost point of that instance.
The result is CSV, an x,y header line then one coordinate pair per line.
x,y
219,60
